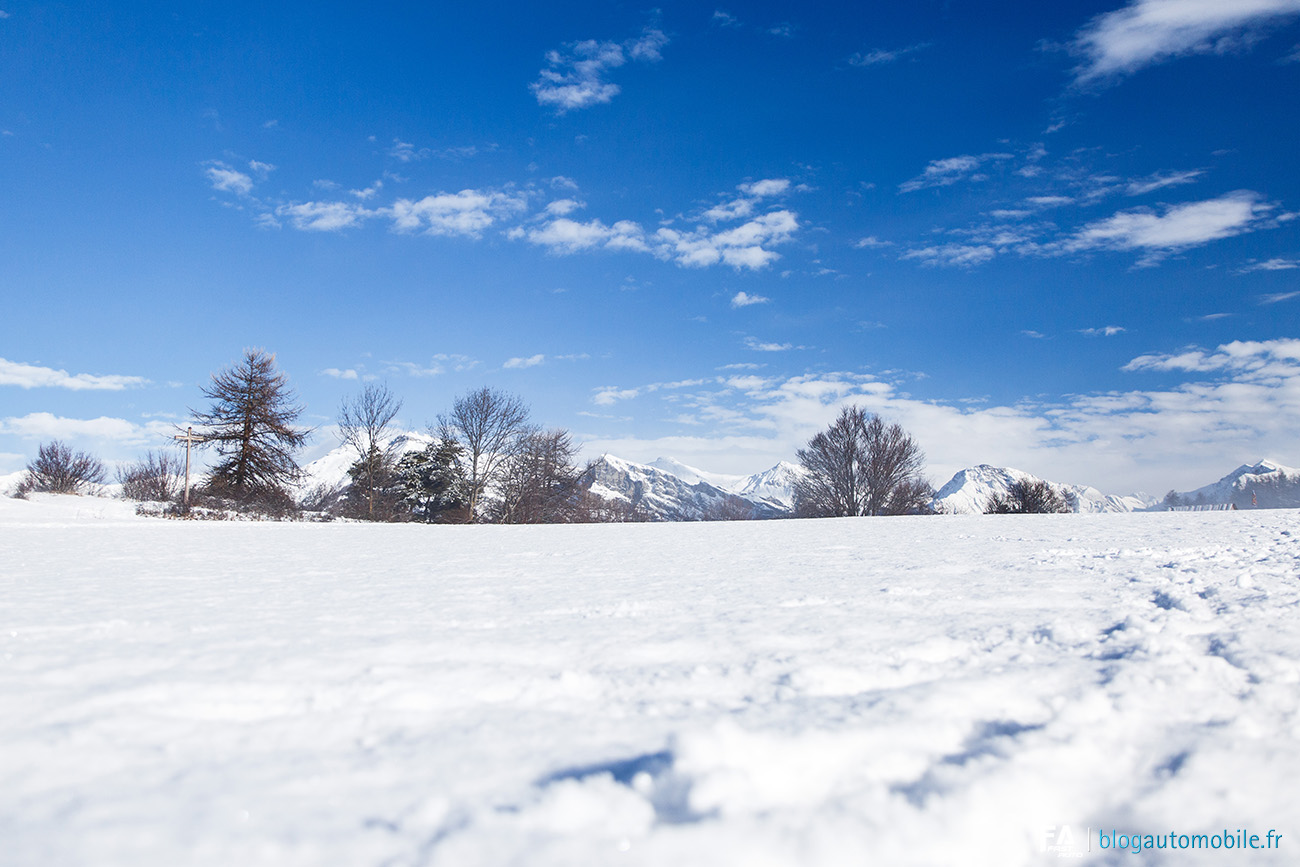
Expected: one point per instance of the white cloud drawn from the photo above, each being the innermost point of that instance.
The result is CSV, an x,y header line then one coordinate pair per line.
x,y
745,246
576,78
725,19
1275,264
565,236
1235,404
744,299
406,152
466,213
879,56
47,426
760,346
1151,31
228,180
1106,331
563,207
336,373
767,187
34,376
871,241
520,363
951,255
1179,227
324,216
1278,297
944,172
1159,181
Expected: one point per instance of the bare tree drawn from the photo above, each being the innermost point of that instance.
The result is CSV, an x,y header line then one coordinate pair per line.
x,y
363,423
59,470
540,483
861,466
1028,497
251,425
155,477
486,424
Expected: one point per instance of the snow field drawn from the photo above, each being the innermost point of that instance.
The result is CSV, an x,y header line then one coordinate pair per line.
x,y
892,690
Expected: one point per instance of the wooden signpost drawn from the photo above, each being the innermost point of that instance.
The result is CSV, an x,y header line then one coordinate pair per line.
x,y
189,438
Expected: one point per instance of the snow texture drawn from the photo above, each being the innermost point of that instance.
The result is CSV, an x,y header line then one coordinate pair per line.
x,y
822,692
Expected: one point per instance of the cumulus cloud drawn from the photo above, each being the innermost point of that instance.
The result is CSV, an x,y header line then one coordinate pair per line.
x,y
1105,331
520,363
1147,32
745,246
227,180
336,373
324,216
47,426
466,213
744,299
564,236
577,77
34,376
745,206
763,346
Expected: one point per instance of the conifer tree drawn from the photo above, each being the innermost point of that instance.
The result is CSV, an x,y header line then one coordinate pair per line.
x,y
251,425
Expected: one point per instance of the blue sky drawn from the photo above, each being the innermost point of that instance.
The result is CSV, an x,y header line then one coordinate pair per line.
x,y
1060,237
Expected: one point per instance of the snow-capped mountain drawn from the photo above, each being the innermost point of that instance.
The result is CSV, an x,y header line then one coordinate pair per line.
x,y
774,485
1272,485
686,494
969,492
331,470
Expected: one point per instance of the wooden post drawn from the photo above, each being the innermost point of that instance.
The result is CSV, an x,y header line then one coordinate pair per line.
x,y
189,438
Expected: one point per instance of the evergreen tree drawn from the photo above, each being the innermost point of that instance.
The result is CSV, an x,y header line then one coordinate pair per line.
x,y
251,425
432,483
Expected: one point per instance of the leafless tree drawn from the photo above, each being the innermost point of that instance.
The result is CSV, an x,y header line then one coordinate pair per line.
x,y
540,483
861,466
1028,497
485,424
251,423
154,478
363,423
57,469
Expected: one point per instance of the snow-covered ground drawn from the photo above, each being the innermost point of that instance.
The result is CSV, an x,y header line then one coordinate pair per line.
x,y
951,690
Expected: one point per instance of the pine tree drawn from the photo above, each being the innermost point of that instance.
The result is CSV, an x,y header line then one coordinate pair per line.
x,y
432,483
251,425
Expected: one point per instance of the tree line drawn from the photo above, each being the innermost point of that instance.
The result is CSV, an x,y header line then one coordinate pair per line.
x,y
486,461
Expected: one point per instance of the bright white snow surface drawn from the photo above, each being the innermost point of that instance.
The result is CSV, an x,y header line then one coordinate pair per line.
x,y
882,690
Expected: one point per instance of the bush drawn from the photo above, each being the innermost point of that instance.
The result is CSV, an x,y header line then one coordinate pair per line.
x,y
59,470
154,478
1028,497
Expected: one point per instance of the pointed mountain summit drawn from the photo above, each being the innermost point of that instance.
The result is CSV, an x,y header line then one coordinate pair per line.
x,y
1264,484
